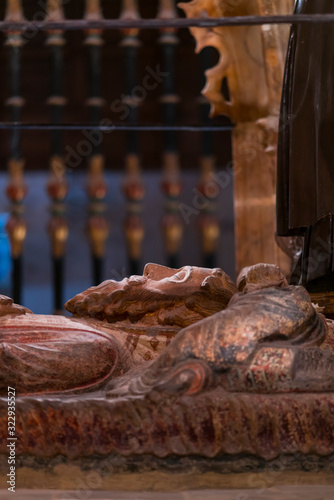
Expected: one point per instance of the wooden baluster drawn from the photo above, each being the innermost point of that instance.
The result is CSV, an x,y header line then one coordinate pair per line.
x,y
57,186
208,188
134,228
171,184
172,225
97,227
14,12
208,220
130,11
134,190
93,12
16,188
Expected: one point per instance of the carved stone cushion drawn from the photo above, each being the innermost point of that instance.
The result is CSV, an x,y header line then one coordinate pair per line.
x,y
52,352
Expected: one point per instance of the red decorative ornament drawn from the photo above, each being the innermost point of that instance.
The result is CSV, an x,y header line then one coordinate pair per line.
x,y
134,191
57,190
16,192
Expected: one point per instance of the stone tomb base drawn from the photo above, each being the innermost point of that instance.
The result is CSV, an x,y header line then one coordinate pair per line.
x,y
90,477
311,492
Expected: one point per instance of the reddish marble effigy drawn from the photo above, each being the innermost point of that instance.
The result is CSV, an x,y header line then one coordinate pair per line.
x,y
254,379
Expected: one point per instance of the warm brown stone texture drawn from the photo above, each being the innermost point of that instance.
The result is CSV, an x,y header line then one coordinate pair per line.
x,y
210,424
253,380
122,325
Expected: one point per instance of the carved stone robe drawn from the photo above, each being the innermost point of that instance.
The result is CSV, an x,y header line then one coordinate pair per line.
x,y
305,193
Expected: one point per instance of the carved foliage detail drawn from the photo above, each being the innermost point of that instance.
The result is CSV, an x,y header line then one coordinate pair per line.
x,y
251,57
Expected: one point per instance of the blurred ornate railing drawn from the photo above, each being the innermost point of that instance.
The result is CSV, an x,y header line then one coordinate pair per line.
x,y
55,25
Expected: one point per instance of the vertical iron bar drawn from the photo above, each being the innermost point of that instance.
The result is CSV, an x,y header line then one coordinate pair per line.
x,y
207,137
134,267
131,54
97,270
17,279
58,273
170,100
